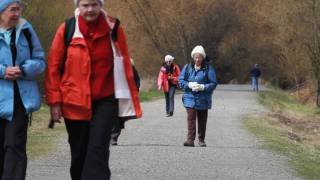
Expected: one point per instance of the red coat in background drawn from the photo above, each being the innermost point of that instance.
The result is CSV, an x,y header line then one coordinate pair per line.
x,y
163,77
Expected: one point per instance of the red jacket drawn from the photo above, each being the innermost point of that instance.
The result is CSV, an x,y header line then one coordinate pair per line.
x,y
163,80
73,90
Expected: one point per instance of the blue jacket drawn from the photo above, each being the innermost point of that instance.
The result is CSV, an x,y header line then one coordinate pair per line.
x,y
198,100
31,67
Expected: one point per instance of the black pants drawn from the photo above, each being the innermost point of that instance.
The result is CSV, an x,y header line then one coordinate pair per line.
x,y
89,141
13,140
116,130
169,96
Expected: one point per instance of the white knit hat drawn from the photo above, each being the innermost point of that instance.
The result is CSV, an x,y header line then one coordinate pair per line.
x,y
168,58
76,2
198,49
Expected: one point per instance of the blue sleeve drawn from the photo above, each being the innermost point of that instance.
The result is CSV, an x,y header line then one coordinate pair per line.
x,y
212,81
181,80
36,64
2,71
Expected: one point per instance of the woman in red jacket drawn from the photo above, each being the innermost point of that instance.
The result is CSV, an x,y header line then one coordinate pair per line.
x,y
168,81
95,88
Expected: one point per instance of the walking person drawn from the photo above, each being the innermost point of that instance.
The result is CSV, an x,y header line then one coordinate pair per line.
x,y
255,74
168,81
89,82
198,81
21,61
120,123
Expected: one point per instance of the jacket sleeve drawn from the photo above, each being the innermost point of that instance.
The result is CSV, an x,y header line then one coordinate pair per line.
x,y
160,78
36,64
53,76
182,82
2,71
212,81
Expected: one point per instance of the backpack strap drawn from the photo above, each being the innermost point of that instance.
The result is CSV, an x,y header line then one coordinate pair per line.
x,y
68,34
114,33
27,35
187,74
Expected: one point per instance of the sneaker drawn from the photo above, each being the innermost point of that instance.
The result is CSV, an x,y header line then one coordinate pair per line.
x,y
188,144
202,144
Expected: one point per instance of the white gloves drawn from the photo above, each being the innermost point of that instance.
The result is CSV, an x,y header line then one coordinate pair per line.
x,y
195,86
192,84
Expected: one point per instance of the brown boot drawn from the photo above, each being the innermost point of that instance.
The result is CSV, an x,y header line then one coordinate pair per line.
x,y
188,143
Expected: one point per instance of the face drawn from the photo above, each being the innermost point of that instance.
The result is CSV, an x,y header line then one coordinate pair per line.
x,y
168,63
10,16
197,58
89,9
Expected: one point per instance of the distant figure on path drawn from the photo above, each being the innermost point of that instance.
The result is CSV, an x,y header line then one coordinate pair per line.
x,y
168,81
90,83
198,81
255,74
21,62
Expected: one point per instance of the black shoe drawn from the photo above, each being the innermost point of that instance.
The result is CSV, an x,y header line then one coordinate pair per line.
x,y
188,144
167,115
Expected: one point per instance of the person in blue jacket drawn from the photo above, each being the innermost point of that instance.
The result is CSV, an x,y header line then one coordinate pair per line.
x,y
21,60
198,81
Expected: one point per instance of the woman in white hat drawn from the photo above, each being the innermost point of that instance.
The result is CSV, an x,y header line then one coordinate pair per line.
x,y
198,81
168,81
95,88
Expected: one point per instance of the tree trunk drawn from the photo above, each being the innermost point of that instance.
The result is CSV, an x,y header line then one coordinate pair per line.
x,y
318,92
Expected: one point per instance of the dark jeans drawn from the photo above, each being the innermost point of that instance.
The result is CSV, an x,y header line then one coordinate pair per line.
x,y
170,99
89,141
202,116
13,140
255,83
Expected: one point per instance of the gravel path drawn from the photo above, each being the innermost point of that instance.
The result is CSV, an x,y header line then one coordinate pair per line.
x,y
151,148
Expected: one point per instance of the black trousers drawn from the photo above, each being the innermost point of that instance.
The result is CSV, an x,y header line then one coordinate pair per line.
x,y
90,141
13,140
116,130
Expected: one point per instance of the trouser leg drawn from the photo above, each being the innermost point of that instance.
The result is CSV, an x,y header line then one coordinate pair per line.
x,y
166,95
96,164
172,91
202,124
191,124
78,134
116,130
15,141
2,134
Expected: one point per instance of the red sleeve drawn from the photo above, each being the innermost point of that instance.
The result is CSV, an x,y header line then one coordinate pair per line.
x,y
52,76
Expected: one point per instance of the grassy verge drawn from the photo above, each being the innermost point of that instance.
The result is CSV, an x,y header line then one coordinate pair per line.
x,y
291,129
41,140
150,95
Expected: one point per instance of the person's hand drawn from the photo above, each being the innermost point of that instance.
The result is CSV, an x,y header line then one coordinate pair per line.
x,y
56,113
13,73
159,88
192,85
198,87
